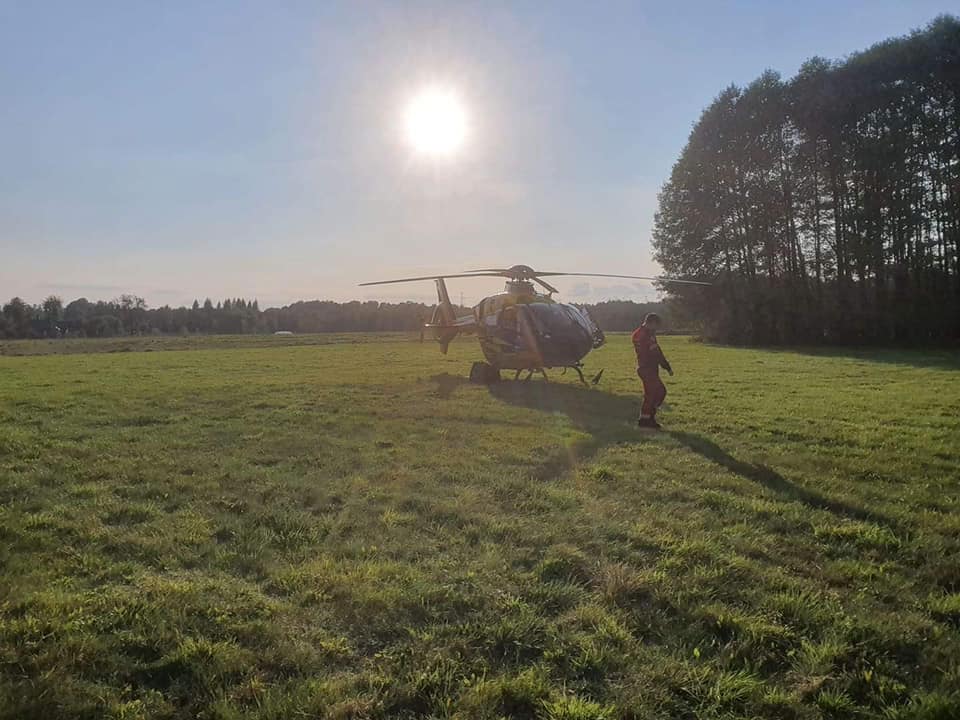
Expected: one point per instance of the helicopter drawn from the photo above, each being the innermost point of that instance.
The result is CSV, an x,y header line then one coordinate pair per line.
x,y
520,329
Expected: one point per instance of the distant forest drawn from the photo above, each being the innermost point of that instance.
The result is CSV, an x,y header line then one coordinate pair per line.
x,y
129,315
826,207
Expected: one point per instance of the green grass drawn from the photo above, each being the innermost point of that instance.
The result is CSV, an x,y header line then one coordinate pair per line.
x,y
150,343
342,527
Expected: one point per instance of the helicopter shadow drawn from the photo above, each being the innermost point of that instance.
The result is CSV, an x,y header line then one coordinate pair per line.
x,y
608,419
447,384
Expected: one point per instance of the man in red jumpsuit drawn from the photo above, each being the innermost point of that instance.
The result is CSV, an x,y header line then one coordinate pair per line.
x,y
649,360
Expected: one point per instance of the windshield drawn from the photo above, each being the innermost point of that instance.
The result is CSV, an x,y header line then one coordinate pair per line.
x,y
562,334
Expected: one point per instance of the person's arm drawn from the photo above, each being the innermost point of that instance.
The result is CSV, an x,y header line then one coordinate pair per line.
x,y
664,363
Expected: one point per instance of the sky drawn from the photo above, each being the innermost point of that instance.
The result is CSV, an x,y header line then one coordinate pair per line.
x,y
181,150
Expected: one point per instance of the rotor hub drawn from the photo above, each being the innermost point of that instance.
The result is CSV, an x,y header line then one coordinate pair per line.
x,y
521,272
519,287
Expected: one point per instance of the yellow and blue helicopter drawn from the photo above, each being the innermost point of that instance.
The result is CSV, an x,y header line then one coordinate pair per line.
x,y
520,329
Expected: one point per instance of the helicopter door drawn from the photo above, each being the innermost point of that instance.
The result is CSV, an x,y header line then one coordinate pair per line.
x,y
508,331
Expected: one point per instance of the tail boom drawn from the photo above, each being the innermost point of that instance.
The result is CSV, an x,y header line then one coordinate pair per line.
x,y
444,325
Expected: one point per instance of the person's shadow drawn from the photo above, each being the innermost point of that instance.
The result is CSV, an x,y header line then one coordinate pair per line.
x,y
610,419
772,480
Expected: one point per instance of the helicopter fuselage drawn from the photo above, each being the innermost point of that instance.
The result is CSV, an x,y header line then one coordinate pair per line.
x,y
521,329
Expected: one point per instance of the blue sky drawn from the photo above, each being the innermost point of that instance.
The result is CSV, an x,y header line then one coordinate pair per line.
x,y
190,149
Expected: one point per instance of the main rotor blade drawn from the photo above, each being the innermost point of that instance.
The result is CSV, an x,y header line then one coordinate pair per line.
x,y
430,277
536,274
625,277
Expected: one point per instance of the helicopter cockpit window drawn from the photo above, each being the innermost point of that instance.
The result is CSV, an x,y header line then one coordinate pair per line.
x,y
562,333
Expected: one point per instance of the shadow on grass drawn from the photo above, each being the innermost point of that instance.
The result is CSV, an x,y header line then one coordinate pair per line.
x,y
772,480
447,384
611,419
933,359
608,419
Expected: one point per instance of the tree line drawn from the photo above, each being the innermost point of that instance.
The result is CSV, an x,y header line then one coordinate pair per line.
x,y
826,207
129,315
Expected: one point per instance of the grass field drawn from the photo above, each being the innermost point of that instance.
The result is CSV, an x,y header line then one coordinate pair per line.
x,y
342,527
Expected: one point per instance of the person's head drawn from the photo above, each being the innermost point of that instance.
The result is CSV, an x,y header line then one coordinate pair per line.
x,y
652,321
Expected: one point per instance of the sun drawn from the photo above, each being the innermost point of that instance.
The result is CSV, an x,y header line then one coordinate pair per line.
x,y
435,122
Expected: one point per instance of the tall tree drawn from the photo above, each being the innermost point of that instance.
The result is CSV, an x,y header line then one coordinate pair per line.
x,y
18,317
827,206
52,312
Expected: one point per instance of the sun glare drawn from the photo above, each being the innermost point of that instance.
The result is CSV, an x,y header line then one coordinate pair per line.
x,y
435,122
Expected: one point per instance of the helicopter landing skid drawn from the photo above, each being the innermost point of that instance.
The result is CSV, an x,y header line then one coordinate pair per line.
x,y
530,373
579,370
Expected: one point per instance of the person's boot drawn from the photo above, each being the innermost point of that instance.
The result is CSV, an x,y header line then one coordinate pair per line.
x,y
648,423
